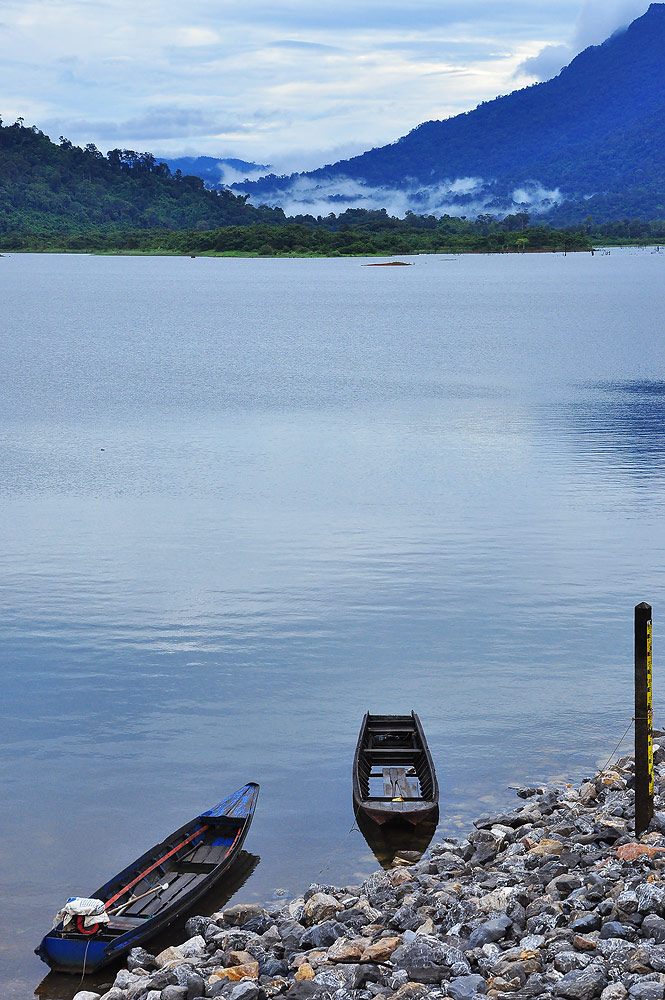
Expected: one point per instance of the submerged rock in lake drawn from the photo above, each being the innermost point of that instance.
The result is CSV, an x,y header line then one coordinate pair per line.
x,y
549,900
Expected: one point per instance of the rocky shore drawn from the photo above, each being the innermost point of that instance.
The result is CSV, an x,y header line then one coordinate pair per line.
x,y
554,899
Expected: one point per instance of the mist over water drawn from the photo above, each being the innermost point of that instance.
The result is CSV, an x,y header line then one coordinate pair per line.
x,y
244,501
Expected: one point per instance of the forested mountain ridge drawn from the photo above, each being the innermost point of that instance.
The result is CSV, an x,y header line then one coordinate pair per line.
x,y
214,169
593,134
46,187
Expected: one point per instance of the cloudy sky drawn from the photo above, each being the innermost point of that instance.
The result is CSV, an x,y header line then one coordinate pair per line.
x,y
291,82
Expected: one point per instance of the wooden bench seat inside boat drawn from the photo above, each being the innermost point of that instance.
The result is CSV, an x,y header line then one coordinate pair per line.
x,y
192,867
121,923
396,784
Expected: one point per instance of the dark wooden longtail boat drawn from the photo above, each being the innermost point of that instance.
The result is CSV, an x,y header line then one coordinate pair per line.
x,y
156,889
393,774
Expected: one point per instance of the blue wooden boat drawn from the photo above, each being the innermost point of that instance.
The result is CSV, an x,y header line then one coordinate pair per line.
x,y
156,889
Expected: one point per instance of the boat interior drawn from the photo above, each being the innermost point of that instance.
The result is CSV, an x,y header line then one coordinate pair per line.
x,y
392,763
167,876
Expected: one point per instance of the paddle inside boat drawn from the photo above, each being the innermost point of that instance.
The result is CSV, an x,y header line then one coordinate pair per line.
x,y
153,891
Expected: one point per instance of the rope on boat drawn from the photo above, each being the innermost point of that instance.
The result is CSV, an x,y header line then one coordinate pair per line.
x,y
85,959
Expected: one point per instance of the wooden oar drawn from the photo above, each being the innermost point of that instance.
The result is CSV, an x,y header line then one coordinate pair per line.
x,y
117,910
152,867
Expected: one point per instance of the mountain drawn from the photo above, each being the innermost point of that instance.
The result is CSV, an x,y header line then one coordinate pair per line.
x,y
48,188
590,141
217,172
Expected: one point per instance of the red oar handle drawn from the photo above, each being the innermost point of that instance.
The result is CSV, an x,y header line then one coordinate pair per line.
x,y
152,867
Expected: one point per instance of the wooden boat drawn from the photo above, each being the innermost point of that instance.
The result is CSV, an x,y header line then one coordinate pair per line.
x,y
393,773
157,888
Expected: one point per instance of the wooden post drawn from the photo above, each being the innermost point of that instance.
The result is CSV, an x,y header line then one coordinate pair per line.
x,y
643,720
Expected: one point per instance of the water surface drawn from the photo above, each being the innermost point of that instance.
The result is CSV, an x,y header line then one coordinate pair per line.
x,y
244,501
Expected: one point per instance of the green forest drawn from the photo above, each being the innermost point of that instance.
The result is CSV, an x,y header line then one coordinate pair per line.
x,y
60,197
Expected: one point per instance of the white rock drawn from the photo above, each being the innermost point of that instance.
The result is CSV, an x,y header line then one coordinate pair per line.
x,y
87,995
296,905
496,901
193,948
124,979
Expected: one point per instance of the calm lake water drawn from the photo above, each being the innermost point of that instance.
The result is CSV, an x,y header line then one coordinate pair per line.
x,y
243,501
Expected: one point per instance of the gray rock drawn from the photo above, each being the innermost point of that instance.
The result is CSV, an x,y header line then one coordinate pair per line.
x,y
273,967
378,889
195,987
584,925
291,933
197,925
406,918
322,935
354,918
653,927
139,958
627,901
656,955
174,993
259,925
491,930
428,960
569,961
583,985
465,987
613,929
646,991
246,990
650,898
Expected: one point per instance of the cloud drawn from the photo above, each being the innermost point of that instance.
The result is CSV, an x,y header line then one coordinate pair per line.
x,y
597,20
548,63
600,18
294,43
154,123
266,80
461,196
193,37
229,175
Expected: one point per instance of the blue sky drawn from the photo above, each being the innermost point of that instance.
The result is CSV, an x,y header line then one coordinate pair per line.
x,y
288,82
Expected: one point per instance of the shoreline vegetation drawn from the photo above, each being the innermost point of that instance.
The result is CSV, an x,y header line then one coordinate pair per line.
x,y
554,898
295,240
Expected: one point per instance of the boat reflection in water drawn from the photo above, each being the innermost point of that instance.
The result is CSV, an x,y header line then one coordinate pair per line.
x,y
396,845
57,986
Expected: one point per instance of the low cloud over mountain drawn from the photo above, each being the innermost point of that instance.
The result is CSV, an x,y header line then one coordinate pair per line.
x,y
577,144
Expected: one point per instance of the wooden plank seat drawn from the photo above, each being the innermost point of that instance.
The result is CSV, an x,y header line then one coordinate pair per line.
x,y
192,867
221,823
397,785
121,923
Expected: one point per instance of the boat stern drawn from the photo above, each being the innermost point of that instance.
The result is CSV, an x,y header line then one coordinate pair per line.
x,y
72,954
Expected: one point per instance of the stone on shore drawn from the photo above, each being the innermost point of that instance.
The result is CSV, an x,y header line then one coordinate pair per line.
x,y
553,899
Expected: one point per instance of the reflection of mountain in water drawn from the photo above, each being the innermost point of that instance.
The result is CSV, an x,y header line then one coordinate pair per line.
x,y
396,845
624,425
57,986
